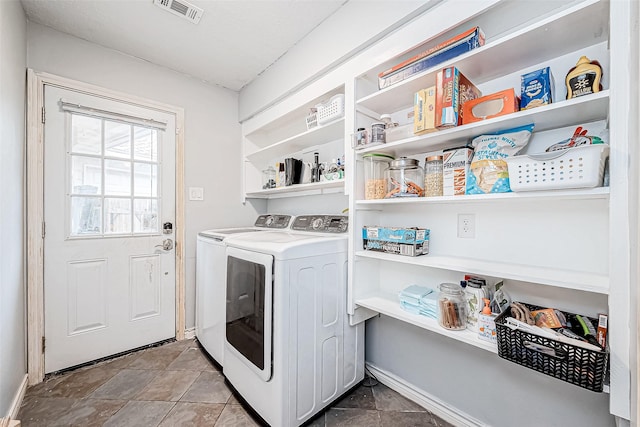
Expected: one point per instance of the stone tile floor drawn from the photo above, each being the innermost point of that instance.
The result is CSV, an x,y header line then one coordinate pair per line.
x,y
177,385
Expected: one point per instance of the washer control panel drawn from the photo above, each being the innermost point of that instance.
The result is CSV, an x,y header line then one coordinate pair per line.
x,y
321,223
273,221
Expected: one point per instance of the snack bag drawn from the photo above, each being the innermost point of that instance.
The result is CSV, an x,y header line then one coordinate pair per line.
x,y
489,172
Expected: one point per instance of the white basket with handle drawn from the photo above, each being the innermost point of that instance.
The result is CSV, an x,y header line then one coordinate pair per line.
x,y
577,167
330,110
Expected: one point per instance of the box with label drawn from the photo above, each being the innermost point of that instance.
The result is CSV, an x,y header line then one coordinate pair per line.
x,y
536,88
455,168
490,106
424,111
457,45
487,327
411,241
453,89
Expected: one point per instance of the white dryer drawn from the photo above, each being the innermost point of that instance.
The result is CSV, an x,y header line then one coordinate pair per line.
x,y
211,280
289,349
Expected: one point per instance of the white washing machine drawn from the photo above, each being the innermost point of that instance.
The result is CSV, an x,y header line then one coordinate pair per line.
x,y
289,348
211,280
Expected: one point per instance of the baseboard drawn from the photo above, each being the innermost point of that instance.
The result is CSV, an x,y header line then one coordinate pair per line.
x,y
17,399
189,333
424,399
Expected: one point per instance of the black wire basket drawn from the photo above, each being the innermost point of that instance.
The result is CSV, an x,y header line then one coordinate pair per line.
x,y
573,364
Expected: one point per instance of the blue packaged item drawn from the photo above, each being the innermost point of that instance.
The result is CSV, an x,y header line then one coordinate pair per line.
x,y
536,88
489,172
412,241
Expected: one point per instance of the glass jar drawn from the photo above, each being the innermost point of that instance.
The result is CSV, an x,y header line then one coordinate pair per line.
x,y
268,178
404,177
375,183
433,177
377,133
452,308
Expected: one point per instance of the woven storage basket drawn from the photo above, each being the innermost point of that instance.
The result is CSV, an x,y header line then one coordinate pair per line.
x,y
576,365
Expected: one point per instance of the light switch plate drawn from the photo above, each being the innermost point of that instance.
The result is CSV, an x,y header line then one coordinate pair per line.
x,y
196,193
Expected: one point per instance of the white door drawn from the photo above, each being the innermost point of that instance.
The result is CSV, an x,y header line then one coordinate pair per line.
x,y
109,186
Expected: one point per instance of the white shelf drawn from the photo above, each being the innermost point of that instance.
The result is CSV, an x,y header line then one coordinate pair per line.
x,y
540,41
577,280
390,306
559,114
572,194
299,190
316,136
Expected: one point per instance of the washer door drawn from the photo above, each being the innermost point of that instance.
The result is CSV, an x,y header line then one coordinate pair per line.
x,y
250,308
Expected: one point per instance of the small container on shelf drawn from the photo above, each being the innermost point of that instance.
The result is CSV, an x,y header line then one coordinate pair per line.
x,y
404,176
377,135
452,309
375,184
330,110
433,176
268,178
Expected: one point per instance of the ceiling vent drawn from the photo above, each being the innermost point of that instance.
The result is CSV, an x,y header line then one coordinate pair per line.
x,y
181,8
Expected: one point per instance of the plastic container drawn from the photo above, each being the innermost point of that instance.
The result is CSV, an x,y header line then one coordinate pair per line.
x,y
404,178
433,176
377,133
396,133
452,308
375,184
268,178
330,110
577,167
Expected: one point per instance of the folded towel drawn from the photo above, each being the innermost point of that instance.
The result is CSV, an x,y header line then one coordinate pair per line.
x,y
414,293
414,309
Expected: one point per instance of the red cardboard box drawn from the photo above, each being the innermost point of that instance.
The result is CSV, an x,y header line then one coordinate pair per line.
x,y
489,106
453,89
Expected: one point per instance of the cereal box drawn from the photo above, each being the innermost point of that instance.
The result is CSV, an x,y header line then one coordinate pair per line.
x,y
424,110
453,89
536,89
455,166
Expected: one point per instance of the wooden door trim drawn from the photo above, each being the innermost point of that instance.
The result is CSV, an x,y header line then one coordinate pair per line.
x,y
35,207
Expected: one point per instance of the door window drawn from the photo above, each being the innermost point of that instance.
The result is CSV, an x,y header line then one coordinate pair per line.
x,y
113,175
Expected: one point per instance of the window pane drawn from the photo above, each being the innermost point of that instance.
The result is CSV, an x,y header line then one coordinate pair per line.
x,y
85,216
86,175
145,144
117,216
117,178
145,216
86,134
145,180
117,140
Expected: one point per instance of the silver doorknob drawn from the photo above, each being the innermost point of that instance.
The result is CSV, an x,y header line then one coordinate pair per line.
x,y
167,245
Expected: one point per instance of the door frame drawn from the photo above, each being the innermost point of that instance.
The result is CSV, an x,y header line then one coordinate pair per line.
x,y
36,82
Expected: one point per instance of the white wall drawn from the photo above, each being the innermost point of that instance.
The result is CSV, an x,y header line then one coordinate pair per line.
x,y
13,47
212,132
356,24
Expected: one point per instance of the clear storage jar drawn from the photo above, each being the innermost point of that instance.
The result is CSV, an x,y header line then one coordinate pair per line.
x,y
268,178
404,178
452,307
433,176
375,183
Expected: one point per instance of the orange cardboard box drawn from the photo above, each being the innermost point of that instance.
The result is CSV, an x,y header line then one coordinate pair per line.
x,y
453,89
489,106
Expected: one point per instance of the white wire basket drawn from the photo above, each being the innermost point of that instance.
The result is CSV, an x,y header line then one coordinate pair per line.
x,y
578,167
330,110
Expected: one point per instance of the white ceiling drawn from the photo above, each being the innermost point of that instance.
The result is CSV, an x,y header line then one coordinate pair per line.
x,y
233,43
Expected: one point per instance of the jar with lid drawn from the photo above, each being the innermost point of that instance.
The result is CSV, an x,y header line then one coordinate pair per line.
x,y
375,184
433,176
452,309
404,176
377,133
268,178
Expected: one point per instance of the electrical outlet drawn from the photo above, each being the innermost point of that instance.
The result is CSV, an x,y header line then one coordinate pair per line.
x,y
466,226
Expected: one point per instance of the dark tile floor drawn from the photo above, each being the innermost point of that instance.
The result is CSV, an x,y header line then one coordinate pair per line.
x,y
177,385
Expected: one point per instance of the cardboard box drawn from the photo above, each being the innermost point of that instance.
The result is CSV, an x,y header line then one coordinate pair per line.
x,y
536,88
412,241
424,111
455,167
453,89
431,57
490,106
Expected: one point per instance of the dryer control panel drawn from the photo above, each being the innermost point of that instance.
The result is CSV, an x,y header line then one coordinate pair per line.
x,y
273,221
321,223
